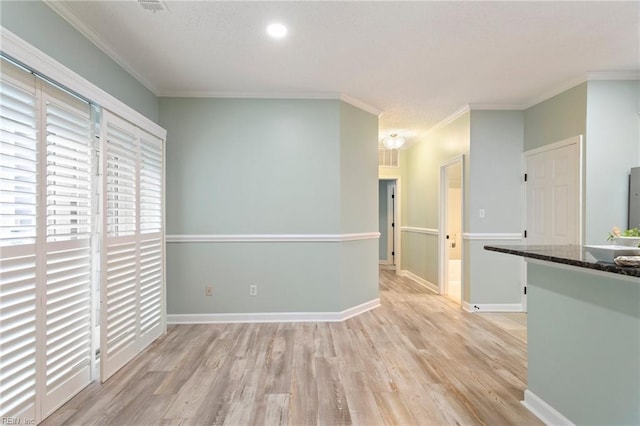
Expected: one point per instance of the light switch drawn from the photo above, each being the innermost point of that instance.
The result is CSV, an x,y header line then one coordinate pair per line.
x,y
481,213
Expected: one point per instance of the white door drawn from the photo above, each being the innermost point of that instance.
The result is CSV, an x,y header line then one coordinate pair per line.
x,y
553,195
451,228
391,222
454,231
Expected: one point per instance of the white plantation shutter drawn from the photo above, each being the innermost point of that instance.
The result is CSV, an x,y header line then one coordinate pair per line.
x,y
18,157
151,238
120,264
18,331
69,149
151,165
133,246
51,229
18,225
45,245
121,155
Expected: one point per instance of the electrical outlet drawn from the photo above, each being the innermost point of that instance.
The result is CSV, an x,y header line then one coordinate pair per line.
x,y
208,291
253,290
481,213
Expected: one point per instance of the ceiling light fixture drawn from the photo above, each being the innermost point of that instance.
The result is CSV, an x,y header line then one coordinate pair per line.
x,y
277,30
393,141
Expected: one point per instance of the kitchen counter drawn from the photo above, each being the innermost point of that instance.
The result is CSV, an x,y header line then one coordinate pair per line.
x,y
567,255
583,336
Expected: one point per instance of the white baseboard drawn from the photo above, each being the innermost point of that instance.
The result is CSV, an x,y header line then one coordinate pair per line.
x,y
492,307
542,410
357,310
383,262
273,316
420,280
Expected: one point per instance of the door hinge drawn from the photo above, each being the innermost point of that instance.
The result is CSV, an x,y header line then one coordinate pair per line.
x,y
525,233
393,195
393,253
525,177
393,225
525,289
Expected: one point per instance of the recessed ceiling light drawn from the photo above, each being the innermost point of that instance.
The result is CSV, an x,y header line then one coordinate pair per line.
x,y
277,30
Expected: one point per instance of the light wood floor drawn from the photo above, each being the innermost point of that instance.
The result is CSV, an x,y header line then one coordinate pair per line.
x,y
416,360
514,323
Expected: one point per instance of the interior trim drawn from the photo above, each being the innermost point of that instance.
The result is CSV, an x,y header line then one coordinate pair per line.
x,y
270,238
542,410
416,230
428,285
66,14
492,307
273,316
22,51
492,236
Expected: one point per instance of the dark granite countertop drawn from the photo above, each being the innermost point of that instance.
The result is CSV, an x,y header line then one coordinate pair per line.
x,y
567,255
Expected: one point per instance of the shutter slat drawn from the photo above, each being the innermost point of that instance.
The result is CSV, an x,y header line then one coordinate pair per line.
x,y
69,211
17,333
18,172
68,311
69,155
121,184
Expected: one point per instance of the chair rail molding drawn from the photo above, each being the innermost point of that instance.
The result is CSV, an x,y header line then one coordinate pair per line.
x,y
416,230
499,236
271,238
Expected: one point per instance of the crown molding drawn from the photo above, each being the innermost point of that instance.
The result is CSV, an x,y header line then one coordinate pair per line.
x,y
590,76
361,105
64,12
613,75
246,95
37,60
555,90
495,107
449,119
271,95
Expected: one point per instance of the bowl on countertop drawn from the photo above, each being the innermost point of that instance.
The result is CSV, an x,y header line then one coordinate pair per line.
x,y
626,241
610,252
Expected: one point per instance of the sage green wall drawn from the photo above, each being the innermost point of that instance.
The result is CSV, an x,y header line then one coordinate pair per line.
x,y
359,279
558,118
612,149
261,166
291,277
420,194
358,170
382,219
358,204
39,25
605,112
252,166
584,344
494,184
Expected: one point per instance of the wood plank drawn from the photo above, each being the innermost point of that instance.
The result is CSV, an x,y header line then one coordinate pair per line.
x,y
418,359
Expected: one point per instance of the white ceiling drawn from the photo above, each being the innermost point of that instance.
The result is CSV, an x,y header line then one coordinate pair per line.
x,y
416,62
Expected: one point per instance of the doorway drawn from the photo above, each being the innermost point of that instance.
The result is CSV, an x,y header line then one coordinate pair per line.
x,y
451,209
387,219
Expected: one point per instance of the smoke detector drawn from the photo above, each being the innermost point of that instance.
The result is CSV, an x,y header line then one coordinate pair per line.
x,y
153,5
